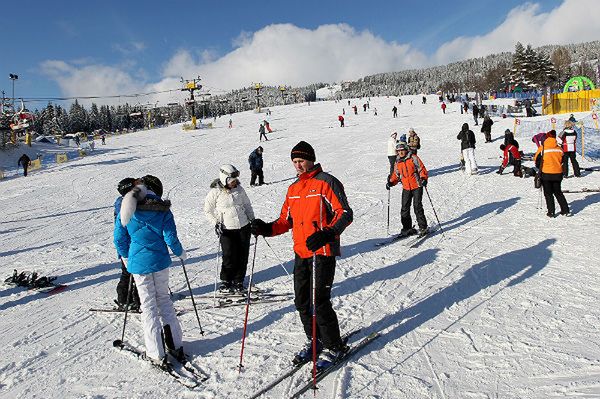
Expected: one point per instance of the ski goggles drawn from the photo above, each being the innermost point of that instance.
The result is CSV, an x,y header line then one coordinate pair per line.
x,y
234,175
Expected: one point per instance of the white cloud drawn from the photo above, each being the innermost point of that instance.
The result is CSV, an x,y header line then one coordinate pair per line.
x,y
574,21
129,47
91,80
287,54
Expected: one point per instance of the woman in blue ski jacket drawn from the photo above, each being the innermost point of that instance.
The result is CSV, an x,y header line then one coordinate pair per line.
x,y
143,232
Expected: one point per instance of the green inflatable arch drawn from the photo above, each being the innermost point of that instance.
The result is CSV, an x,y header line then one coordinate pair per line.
x,y
580,82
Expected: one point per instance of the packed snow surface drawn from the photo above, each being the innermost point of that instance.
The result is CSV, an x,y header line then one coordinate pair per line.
x,y
503,304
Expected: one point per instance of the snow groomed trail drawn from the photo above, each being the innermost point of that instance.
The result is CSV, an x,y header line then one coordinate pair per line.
x,y
503,304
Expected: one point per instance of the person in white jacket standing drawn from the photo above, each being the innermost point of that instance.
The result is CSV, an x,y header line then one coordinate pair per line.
x,y
228,207
391,151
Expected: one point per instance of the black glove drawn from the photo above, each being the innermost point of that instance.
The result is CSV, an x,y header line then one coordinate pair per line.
x,y
219,229
319,238
260,228
387,186
424,182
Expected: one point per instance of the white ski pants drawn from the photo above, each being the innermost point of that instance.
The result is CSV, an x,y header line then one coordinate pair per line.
x,y
469,157
157,311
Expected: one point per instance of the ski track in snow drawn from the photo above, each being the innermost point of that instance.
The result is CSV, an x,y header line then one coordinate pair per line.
x,y
500,304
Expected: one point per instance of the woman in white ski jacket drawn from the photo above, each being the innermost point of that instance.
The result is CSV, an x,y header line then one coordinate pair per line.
x,y
228,207
569,147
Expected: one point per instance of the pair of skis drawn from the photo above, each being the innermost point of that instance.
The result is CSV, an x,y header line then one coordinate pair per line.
x,y
583,190
411,240
185,373
321,374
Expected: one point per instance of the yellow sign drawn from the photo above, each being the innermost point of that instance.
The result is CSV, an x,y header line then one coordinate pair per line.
x,y
60,158
35,164
190,85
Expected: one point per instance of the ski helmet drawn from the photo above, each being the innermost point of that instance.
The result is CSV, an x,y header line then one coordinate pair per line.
x,y
227,173
125,185
401,146
154,184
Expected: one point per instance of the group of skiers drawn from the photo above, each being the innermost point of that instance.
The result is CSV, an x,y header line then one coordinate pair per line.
x,y
315,209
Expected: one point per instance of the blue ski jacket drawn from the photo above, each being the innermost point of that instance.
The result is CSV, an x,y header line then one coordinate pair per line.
x,y
145,239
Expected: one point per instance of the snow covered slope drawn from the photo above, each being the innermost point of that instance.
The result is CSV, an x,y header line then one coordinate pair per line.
x,y
504,304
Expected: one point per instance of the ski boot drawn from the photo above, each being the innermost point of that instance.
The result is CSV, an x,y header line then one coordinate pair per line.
x,y
226,288
238,288
407,232
423,232
330,356
305,353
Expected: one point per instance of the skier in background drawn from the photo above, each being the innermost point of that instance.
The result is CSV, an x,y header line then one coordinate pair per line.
x,y
569,143
341,119
475,110
256,166
410,171
261,130
486,128
548,159
414,142
512,156
395,111
467,147
24,161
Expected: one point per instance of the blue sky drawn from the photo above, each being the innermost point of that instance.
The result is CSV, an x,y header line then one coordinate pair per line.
x,y
85,48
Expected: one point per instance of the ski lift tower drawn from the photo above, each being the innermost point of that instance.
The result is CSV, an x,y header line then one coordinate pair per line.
x,y
191,85
258,87
282,89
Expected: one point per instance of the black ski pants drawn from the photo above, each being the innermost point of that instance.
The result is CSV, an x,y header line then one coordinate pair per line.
x,y
235,245
263,134
328,329
123,286
572,155
552,189
254,173
408,196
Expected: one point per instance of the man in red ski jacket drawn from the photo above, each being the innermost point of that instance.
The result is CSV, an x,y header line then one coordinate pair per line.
x,y
512,156
317,211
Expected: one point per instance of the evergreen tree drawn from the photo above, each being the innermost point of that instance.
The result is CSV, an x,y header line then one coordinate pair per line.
x,y
94,118
78,117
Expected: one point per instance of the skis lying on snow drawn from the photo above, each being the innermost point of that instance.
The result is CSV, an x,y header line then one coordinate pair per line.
x,y
241,301
334,366
185,373
34,282
292,370
113,310
583,190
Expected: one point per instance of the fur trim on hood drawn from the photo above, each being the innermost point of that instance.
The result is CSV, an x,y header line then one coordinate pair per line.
x,y
217,184
130,200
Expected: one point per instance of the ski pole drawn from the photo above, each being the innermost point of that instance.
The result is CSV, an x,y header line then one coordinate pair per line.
x,y
314,312
279,260
247,305
434,212
216,271
192,296
388,212
119,343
